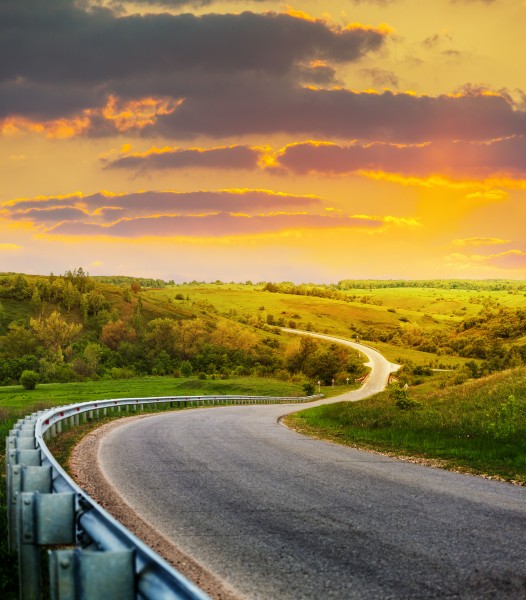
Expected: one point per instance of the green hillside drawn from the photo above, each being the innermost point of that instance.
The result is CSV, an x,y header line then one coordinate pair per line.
x,y
478,426
75,328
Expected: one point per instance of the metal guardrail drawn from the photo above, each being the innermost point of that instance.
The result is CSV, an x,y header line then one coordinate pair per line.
x,y
99,558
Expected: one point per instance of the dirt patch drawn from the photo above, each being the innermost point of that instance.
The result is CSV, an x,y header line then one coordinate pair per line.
x,y
85,470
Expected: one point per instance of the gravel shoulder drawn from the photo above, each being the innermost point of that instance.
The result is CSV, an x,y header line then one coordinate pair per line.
x,y
85,469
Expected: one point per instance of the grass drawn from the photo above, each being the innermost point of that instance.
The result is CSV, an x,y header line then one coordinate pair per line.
x,y
470,427
15,403
53,394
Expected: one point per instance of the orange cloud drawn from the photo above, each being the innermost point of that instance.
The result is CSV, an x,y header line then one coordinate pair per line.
x,y
479,241
119,117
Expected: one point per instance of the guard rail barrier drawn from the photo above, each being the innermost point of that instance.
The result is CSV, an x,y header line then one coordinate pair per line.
x,y
97,557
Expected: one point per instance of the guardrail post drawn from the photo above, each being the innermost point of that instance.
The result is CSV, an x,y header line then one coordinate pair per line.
x,y
42,519
85,575
24,478
15,459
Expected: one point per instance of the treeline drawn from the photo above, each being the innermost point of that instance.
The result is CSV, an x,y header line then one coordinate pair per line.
x,y
489,285
73,290
125,281
320,291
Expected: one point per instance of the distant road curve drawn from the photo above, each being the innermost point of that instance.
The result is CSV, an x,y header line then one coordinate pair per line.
x,y
275,514
381,368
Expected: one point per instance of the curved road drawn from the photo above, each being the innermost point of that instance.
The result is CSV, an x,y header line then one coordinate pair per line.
x,y
279,515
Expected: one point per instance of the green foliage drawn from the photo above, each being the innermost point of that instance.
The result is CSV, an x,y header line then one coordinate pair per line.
x,y
308,388
29,379
401,398
186,368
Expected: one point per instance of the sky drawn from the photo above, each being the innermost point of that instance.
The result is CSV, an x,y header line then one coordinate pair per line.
x,y
257,140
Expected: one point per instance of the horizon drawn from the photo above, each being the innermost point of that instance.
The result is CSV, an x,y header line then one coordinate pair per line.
x,y
179,140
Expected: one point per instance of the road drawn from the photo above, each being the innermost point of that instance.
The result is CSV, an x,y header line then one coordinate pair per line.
x,y
279,515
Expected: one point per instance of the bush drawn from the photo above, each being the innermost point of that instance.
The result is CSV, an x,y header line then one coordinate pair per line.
x,y
29,379
308,388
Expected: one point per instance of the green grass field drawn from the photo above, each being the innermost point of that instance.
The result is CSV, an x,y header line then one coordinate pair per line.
x,y
473,427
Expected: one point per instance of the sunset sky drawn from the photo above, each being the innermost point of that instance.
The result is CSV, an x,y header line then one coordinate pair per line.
x,y
305,141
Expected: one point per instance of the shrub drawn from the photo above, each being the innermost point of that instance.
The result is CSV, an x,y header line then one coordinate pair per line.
x,y
29,379
308,388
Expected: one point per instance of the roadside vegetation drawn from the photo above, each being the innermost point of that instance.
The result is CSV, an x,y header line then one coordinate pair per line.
x,y
478,426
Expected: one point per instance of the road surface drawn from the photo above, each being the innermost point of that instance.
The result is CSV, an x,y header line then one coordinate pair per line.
x,y
279,515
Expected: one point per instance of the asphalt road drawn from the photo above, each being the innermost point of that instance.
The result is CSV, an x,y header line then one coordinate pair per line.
x,y
280,515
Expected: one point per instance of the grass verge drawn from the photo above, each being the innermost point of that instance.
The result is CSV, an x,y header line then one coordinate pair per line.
x,y
478,427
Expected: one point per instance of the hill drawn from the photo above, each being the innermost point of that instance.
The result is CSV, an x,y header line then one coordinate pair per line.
x,y
478,426
74,327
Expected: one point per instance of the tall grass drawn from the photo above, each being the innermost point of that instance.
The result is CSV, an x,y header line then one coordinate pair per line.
x,y
479,426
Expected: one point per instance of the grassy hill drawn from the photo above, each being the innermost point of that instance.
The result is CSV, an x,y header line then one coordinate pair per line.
x,y
477,427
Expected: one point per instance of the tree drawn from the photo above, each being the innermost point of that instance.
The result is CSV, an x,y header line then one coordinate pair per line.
x,y
29,379
233,336
161,336
55,333
191,332
17,342
113,334
36,301
70,296
3,317
137,316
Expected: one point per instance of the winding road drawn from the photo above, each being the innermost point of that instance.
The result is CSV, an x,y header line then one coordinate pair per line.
x,y
276,514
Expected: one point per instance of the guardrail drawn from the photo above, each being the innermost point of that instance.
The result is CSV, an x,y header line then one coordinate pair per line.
x,y
98,557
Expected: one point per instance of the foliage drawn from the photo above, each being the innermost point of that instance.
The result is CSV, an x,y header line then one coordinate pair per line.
x,y
308,388
506,419
401,398
29,379
55,333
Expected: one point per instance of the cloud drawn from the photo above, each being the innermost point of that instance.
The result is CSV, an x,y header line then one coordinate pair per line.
x,y
381,77
454,158
387,116
105,207
220,214
511,259
9,247
232,157
157,55
216,225
479,241
48,215
79,69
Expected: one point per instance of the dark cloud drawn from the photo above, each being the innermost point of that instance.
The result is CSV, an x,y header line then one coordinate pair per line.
x,y
217,75
234,157
218,225
70,53
502,157
49,215
107,207
341,113
381,77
